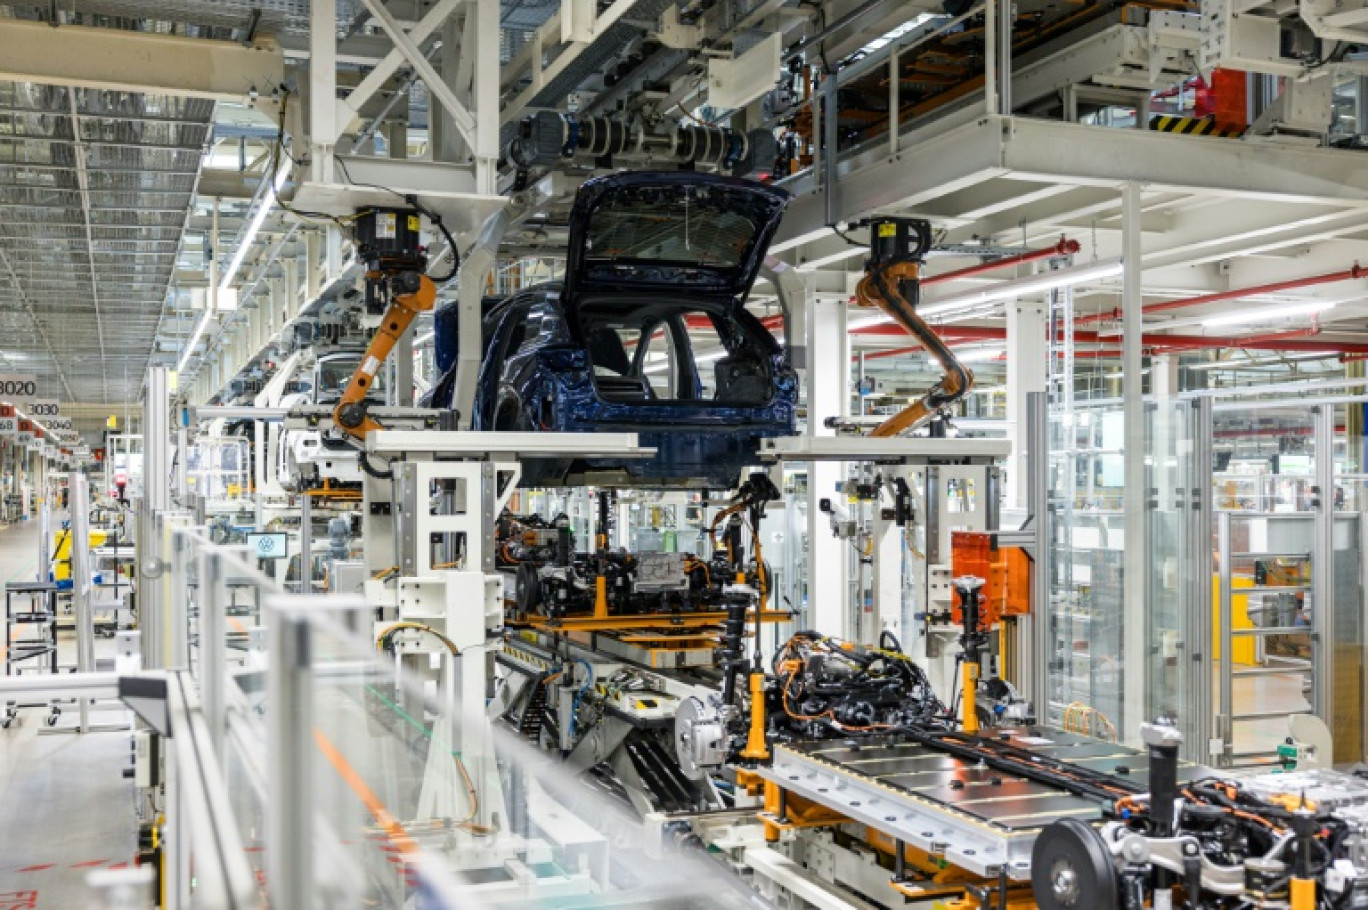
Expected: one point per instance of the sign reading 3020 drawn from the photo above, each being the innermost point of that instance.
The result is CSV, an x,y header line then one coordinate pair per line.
x,y
18,388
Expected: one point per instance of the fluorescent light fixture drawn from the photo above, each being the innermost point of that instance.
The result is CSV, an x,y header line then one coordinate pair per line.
x,y
194,340
263,209
1006,290
865,322
226,282
1034,284
975,355
1245,317
813,265
1260,361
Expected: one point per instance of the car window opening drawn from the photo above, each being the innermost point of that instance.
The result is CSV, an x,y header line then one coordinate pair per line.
x,y
334,373
661,355
704,229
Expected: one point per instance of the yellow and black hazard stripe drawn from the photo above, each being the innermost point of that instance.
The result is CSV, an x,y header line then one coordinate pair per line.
x,y
1194,126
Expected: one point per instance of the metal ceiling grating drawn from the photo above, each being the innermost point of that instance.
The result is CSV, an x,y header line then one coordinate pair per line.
x,y
95,188
221,19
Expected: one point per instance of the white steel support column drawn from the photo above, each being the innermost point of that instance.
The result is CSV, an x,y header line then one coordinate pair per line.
x,y
182,459
487,74
1323,575
1027,322
990,56
78,501
289,815
1135,602
332,253
313,257
828,348
156,499
288,283
1164,376
1164,385
322,88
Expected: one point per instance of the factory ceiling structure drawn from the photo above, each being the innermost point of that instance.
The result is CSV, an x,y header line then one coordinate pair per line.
x,y
832,454
116,177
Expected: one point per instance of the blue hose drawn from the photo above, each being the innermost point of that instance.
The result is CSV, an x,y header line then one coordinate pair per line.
x,y
588,681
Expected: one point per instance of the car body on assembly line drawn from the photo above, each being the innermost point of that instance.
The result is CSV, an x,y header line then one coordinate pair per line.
x,y
648,334
311,456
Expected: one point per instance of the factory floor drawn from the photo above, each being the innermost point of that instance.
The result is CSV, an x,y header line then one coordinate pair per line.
x,y
1275,692
68,808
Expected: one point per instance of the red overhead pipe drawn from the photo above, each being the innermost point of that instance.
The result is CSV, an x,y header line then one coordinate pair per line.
x,y
1063,248
1328,347
1280,341
1245,341
1082,355
1328,278
951,331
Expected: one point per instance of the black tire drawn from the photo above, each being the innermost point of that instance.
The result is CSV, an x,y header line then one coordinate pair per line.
x,y
528,589
1071,869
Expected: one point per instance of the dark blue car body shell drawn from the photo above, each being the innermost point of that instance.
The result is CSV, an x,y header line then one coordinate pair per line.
x,y
537,373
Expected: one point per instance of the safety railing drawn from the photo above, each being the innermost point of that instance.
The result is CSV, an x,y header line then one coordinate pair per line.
x,y
319,758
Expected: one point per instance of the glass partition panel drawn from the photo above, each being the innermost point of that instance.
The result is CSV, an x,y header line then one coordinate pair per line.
x,y
1179,564
1265,495
414,791
1346,712
1086,552
1349,709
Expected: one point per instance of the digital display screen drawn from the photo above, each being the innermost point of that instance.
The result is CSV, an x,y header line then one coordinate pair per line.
x,y
268,546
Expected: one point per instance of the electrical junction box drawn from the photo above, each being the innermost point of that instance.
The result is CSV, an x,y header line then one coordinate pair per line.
x,y
661,572
146,759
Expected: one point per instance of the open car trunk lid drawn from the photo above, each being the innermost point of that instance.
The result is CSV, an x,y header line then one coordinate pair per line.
x,y
673,231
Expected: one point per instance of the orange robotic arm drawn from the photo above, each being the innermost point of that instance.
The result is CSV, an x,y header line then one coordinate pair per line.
x,y
415,294
880,288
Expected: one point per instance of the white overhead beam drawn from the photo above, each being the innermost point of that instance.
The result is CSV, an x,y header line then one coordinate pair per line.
x,y
120,60
1041,150
553,33
437,87
376,78
323,126
1046,152
983,200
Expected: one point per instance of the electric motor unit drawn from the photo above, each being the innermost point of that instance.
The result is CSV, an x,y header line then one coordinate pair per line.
x,y
389,240
894,240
